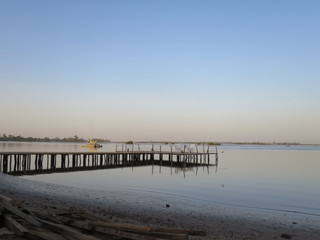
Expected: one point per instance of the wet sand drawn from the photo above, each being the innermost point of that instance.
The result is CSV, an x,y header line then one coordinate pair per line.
x,y
152,209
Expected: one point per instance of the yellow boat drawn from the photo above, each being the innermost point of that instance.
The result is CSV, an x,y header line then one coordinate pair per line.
x,y
92,144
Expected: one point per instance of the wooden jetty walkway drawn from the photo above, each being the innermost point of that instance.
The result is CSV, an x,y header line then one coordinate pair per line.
x,y
28,163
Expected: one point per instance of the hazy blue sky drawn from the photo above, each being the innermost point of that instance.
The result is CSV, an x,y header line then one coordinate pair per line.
x,y
161,70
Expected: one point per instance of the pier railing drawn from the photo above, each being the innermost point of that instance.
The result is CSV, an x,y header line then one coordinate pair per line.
x,y
180,148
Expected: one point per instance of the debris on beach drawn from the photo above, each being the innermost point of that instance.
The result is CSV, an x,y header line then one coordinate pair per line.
x,y
286,236
18,222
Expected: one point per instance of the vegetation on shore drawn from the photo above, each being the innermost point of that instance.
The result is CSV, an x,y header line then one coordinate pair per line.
x,y
75,138
214,143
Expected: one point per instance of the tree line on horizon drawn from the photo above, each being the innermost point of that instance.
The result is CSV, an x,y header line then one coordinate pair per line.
x,y
75,138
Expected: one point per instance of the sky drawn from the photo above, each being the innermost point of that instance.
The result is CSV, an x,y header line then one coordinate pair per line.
x,y
181,70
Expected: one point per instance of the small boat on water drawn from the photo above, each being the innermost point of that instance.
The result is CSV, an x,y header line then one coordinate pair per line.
x,y
92,144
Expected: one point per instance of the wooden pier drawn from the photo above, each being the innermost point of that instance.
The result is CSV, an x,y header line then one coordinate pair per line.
x,y
28,163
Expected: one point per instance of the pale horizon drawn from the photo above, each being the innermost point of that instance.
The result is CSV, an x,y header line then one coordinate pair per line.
x,y
235,71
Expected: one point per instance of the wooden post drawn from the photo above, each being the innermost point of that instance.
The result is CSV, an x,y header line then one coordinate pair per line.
x,y
101,159
63,161
36,162
39,159
53,161
67,160
15,166
216,155
29,162
16,162
84,160
10,162
73,160
5,163
24,162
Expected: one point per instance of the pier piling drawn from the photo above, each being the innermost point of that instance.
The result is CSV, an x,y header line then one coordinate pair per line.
x,y
21,163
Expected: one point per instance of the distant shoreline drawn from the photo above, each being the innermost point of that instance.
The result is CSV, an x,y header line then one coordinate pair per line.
x,y
74,139
166,143
234,143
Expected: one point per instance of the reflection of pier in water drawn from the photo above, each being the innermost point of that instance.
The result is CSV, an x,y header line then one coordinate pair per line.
x,y
29,163
194,168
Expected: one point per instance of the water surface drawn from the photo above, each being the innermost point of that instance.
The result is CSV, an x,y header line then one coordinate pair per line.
x,y
273,178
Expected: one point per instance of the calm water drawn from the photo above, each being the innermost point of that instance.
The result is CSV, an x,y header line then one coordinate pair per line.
x,y
277,178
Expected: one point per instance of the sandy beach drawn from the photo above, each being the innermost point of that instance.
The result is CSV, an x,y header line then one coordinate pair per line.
x,y
151,209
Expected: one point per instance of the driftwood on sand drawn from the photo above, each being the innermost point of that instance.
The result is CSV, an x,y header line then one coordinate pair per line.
x,y
17,222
